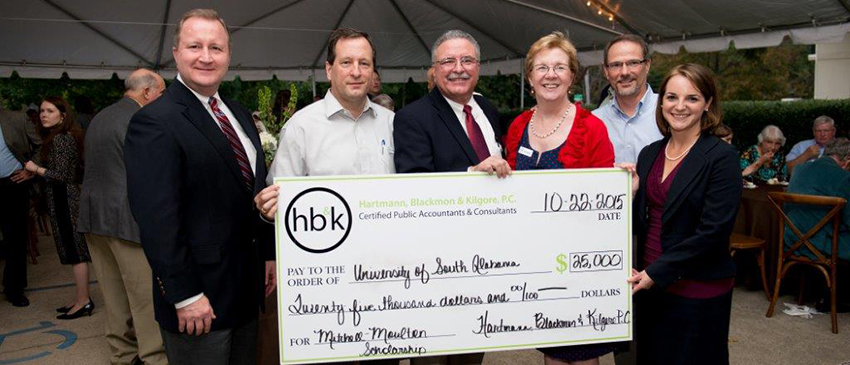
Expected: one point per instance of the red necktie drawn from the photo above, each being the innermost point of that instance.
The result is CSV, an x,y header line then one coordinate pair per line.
x,y
235,144
475,135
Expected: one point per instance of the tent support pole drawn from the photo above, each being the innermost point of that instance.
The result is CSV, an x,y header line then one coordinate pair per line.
x,y
314,83
521,84
586,87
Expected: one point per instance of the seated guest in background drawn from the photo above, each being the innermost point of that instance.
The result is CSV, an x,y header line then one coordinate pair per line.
x,y
62,156
823,129
724,133
764,161
558,134
825,176
385,101
688,192
119,262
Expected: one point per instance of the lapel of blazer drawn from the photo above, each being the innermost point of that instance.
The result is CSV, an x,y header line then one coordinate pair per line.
x,y
449,118
643,172
195,112
693,166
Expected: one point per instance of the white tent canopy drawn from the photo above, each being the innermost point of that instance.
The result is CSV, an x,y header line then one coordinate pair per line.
x,y
92,39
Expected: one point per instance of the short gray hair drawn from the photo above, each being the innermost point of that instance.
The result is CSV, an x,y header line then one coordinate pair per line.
x,y
823,119
772,132
140,80
839,148
454,34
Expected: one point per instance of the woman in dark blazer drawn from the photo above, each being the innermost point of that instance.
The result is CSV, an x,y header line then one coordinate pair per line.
x,y
688,194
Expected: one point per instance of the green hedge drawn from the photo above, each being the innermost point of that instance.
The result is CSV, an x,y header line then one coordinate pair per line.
x,y
747,118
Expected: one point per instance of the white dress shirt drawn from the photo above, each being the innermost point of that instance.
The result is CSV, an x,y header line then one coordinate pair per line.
x,y
243,138
325,139
481,120
250,150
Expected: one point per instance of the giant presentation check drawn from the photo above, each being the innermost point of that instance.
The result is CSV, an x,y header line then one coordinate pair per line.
x,y
433,264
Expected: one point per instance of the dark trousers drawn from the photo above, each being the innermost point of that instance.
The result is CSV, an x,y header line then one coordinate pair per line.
x,y
13,223
675,330
232,346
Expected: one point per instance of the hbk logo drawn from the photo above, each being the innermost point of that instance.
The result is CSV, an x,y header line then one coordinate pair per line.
x,y
318,220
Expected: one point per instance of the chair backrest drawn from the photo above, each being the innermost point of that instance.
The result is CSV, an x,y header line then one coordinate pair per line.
x,y
834,204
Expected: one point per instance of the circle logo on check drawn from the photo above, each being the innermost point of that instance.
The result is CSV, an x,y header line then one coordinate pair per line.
x,y
318,220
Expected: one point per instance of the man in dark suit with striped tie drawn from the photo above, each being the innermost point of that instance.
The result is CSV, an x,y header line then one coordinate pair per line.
x,y
450,129
194,163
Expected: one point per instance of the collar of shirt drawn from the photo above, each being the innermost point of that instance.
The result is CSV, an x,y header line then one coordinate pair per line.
x,y
332,107
458,108
205,100
643,101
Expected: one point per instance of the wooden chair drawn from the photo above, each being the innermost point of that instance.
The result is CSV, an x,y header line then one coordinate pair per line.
x,y
739,242
827,265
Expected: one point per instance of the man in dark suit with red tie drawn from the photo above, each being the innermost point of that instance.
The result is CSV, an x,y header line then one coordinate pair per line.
x,y
450,129
194,163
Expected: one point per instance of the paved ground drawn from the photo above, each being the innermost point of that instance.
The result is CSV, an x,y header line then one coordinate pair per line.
x,y
32,335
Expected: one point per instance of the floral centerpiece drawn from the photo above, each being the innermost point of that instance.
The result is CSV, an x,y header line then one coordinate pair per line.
x,y
269,135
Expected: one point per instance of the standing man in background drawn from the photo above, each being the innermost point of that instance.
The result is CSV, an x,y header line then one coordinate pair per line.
x,y
111,232
19,143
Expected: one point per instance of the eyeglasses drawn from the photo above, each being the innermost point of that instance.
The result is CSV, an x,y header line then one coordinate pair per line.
x,y
450,62
630,64
544,69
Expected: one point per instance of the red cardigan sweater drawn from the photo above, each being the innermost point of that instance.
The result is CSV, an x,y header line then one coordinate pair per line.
x,y
587,144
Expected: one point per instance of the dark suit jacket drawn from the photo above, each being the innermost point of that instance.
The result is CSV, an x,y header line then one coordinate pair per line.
x,y
699,213
20,136
429,138
199,228
104,207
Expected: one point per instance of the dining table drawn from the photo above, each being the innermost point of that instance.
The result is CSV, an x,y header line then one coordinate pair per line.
x,y
757,218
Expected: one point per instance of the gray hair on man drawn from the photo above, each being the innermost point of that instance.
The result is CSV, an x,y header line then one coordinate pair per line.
x,y
840,148
140,80
454,34
823,119
772,132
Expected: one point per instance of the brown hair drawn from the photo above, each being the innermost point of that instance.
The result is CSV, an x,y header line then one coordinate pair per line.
x,y
348,33
703,80
551,41
208,14
625,38
67,126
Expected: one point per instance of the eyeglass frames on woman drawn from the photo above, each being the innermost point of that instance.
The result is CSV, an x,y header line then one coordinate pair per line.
x,y
544,69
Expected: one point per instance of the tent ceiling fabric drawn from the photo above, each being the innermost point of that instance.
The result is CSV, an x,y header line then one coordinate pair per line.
x,y
96,38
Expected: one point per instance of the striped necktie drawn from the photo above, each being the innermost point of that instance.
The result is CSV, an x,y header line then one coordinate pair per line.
x,y
235,144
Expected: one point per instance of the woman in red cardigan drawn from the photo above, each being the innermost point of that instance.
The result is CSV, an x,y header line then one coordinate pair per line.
x,y
558,134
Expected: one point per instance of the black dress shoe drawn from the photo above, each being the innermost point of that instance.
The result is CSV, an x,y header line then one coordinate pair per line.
x,y
17,300
64,309
86,310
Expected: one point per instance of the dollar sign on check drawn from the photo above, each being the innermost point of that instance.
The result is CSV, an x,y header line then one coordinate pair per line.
x,y
562,263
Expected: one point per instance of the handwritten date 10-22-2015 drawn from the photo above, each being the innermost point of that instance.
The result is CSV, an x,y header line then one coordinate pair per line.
x,y
579,202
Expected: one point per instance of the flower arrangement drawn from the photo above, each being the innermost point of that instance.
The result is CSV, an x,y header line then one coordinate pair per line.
x,y
270,136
